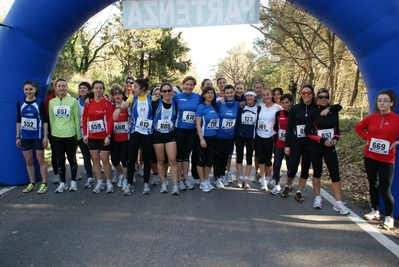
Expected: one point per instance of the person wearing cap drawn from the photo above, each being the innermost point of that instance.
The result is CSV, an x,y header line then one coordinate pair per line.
x,y
244,137
175,91
296,142
381,131
323,131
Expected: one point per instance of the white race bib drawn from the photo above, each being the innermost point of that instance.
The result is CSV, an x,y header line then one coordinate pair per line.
x,y
326,133
228,123
62,111
29,124
379,146
96,126
262,126
121,127
188,117
213,124
248,118
164,126
281,134
300,131
143,125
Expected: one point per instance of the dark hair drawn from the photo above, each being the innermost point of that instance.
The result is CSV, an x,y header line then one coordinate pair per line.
x,y
188,78
34,85
143,83
287,96
263,85
311,88
392,96
204,81
60,80
280,90
100,82
229,86
164,84
323,90
221,78
155,89
85,84
206,90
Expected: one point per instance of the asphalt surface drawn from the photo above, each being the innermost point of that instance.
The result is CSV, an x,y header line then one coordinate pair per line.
x,y
227,227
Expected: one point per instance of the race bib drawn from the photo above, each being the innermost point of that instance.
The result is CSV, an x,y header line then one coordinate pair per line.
x,y
281,134
143,125
213,124
300,131
164,126
379,146
29,124
228,123
262,126
248,118
326,134
62,111
96,126
121,127
188,117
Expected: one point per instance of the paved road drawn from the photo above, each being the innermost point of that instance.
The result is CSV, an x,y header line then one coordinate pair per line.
x,y
231,227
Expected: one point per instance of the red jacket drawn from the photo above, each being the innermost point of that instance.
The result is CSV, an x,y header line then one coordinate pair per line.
x,y
97,120
380,131
121,127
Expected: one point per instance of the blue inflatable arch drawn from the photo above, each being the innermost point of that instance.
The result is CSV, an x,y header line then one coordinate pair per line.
x,y
39,30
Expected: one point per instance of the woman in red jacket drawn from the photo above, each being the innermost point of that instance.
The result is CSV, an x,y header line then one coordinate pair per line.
x,y
97,124
381,131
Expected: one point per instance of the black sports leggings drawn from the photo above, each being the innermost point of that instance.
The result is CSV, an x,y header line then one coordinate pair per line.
x,y
296,152
119,153
66,146
264,150
380,176
206,155
53,156
185,139
223,147
240,142
320,151
145,141
84,148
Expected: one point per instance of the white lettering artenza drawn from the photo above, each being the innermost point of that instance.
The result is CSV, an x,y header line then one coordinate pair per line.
x,y
188,13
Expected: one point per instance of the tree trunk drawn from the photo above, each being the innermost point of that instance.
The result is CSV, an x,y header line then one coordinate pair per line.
x,y
355,87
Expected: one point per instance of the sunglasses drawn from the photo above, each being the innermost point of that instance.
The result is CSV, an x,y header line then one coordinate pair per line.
x,y
130,82
323,97
306,93
166,91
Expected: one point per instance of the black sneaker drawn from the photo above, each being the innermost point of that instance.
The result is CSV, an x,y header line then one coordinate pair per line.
x,y
286,191
298,197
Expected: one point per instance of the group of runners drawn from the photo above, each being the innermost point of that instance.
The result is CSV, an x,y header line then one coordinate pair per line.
x,y
164,128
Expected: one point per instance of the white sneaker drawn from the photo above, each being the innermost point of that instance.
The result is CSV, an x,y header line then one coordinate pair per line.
x,y
124,184
128,189
246,185
219,183
229,178
61,188
175,190
205,187
89,183
197,181
373,215
110,188
388,223
263,184
164,188
182,187
317,203
120,181
239,184
188,184
155,180
146,189
115,178
341,208
269,180
209,184
78,176
224,181
99,187
74,186
276,190
56,179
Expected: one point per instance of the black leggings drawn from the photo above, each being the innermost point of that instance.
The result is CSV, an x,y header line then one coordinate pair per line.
x,y
53,156
317,153
222,152
206,155
279,155
264,150
296,152
66,146
380,176
249,147
185,139
119,153
145,141
84,148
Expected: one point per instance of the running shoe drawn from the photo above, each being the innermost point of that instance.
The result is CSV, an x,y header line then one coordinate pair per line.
x,y
146,189
317,203
164,188
269,180
175,190
120,181
30,188
224,181
115,178
155,180
373,215
209,184
286,191
239,184
219,183
89,183
128,189
341,208
388,223
182,187
257,178
110,188
197,181
276,190
246,185
124,184
78,176
56,179
61,188
99,187
74,186
205,187
298,197
188,184
42,189
229,178
263,184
